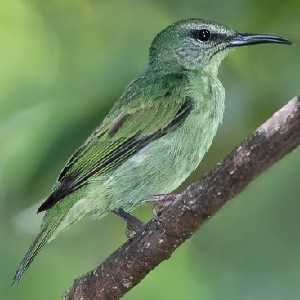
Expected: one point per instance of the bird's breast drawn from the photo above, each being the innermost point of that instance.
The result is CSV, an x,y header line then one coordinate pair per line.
x,y
189,143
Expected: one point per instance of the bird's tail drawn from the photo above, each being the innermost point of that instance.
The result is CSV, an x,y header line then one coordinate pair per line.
x,y
42,239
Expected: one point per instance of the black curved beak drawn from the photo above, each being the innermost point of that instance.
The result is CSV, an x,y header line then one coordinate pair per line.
x,y
245,39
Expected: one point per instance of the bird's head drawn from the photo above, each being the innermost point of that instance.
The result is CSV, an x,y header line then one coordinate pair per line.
x,y
196,44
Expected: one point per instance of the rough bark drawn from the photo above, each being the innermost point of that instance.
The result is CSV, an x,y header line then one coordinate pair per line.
x,y
160,237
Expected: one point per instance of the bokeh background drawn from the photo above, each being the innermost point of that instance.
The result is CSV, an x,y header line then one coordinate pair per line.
x,y
63,64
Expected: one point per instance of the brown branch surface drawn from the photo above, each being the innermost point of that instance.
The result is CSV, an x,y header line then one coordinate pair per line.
x,y
126,267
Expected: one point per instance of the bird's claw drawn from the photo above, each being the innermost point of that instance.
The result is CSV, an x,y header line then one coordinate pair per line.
x,y
134,225
161,201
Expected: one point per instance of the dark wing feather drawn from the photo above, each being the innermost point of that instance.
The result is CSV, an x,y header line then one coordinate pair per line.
x,y
109,147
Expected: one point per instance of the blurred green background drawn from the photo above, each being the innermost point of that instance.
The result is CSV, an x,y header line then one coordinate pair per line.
x,y
63,64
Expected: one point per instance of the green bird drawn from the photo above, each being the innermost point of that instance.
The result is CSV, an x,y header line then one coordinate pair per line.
x,y
155,135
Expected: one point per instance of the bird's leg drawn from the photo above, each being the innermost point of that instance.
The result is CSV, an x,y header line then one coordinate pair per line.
x,y
161,201
134,225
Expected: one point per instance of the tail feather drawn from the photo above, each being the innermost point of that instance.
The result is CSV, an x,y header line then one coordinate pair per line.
x,y
34,249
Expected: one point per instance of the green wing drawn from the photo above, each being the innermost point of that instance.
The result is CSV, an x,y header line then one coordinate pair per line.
x,y
120,137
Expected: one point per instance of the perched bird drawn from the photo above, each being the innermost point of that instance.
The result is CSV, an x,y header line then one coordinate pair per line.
x,y
155,135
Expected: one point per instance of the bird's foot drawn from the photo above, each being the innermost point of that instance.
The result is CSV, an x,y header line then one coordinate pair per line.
x,y
162,201
134,225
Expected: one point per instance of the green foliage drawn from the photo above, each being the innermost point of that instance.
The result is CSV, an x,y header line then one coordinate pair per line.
x,y
63,64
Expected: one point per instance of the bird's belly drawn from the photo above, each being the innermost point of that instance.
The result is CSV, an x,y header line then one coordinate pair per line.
x,y
163,165
189,144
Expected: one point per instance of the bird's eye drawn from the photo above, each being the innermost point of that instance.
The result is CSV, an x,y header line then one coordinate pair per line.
x,y
201,35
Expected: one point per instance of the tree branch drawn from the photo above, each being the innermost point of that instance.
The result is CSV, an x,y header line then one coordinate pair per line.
x,y
126,267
